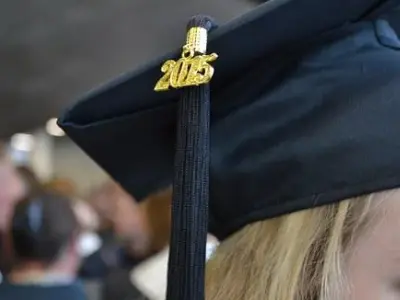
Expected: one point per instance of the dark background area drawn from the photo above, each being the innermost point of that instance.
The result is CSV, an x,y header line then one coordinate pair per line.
x,y
51,51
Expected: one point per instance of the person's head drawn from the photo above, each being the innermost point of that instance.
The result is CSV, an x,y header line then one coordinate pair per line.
x,y
348,251
43,234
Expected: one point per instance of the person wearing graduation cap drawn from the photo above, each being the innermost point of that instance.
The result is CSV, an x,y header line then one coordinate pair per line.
x,y
280,136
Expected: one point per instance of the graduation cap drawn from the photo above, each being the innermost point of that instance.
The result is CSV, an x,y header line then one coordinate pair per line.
x,y
291,106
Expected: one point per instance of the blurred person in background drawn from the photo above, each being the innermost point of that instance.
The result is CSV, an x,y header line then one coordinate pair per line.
x,y
89,241
43,235
12,189
122,228
88,219
131,233
135,237
144,230
136,230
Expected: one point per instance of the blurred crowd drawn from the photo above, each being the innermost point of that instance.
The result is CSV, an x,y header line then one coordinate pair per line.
x,y
103,246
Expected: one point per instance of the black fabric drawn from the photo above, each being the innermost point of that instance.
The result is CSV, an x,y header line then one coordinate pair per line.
x,y
393,17
307,125
35,292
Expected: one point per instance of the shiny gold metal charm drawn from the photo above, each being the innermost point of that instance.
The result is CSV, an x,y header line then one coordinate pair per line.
x,y
193,68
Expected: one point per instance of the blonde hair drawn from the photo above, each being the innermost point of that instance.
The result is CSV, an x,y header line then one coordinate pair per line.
x,y
297,256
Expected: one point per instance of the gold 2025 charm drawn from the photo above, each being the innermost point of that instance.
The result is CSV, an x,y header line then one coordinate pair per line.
x,y
193,68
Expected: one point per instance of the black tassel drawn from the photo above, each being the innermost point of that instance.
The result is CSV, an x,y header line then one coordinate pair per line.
x,y
186,269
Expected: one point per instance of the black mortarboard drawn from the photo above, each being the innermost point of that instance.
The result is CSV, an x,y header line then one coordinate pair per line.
x,y
304,112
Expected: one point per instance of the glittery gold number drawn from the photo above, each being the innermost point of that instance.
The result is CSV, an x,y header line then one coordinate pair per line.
x,y
164,82
187,71
200,70
179,73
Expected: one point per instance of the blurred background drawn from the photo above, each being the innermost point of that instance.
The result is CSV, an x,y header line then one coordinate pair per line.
x,y
52,52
